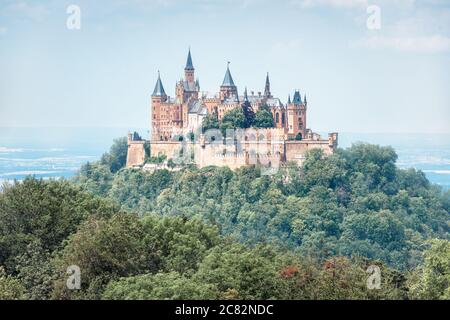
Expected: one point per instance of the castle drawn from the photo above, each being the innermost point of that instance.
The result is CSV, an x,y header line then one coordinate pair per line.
x,y
176,126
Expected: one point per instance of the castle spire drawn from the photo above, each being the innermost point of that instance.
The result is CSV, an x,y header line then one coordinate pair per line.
x,y
289,99
304,100
189,64
297,97
245,95
159,89
267,87
228,79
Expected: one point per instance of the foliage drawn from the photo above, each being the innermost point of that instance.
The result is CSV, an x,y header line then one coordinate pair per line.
x,y
116,158
433,279
160,286
10,288
210,121
46,212
264,119
233,119
249,114
306,232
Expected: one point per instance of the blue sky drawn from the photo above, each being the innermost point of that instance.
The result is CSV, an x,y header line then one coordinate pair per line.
x,y
395,79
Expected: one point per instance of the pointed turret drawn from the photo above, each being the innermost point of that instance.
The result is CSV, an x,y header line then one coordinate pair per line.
x,y
189,64
304,100
189,76
245,95
297,98
159,89
228,79
228,89
197,85
267,87
289,99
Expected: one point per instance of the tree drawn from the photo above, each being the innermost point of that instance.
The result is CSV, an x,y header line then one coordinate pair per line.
x,y
10,287
36,272
104,250
161,286
210,121
433,280
116,159
264,119
43,211
249,114
250,273
233,119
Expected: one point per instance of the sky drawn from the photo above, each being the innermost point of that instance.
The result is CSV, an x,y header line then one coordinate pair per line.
x,y
357,78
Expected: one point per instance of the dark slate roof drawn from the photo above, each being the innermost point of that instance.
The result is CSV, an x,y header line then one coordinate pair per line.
x,y
196,106
274,102
228,80
159,89
189,86
189,65
297,98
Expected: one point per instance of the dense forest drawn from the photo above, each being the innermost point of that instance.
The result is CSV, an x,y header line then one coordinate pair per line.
x,y
307,232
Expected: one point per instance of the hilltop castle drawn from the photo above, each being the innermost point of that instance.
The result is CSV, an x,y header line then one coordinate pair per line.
x,y
174,118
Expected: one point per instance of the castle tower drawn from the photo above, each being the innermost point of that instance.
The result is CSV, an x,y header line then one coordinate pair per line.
x,y
158,97
267,93
296,111
189,69
228,89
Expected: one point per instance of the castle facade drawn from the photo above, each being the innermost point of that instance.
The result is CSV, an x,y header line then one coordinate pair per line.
x,y
184,113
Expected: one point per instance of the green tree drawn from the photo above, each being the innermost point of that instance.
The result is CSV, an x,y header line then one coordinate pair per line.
x,y
210,121
249,114
433,279
116,158
233,119
263,119
10,287
43,211
161,286
104,249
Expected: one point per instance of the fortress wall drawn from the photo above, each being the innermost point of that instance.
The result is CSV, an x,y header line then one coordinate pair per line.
x,y
296,150
136,153
169,148
272,150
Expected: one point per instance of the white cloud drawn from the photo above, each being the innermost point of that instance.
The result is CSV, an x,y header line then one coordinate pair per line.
x,y
425,44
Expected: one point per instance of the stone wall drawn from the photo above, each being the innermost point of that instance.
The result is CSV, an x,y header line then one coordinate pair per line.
x,y
267,147
136,153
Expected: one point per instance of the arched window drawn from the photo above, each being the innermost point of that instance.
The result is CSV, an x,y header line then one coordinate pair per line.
x,y
277,117
282,119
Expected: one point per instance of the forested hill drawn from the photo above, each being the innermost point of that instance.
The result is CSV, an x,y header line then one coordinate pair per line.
x,y
303,233
355,202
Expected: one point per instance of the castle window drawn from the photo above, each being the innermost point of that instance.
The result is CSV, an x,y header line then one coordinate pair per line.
x,y
282,119
277,118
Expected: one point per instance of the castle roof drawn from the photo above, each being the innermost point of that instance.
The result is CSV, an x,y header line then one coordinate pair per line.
x,y
189,64
196,106
228,79
274,102
189,86
159,89
297,98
